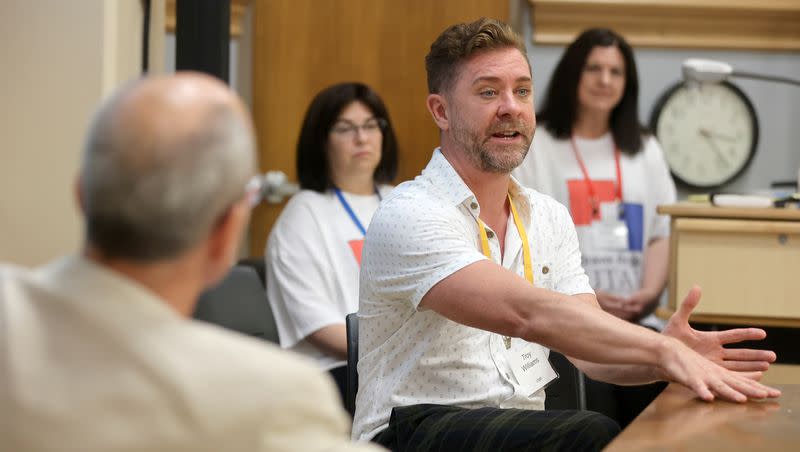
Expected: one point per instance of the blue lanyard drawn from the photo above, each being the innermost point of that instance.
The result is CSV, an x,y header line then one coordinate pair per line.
x,y
350,210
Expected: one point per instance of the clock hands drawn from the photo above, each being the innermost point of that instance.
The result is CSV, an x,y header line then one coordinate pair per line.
x,y
707,134
712,134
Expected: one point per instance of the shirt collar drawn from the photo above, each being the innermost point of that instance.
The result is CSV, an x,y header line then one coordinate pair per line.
x,y
103,290
443,176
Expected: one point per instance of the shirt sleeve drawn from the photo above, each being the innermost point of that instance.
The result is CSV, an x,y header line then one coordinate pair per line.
x,y
413,244
299,287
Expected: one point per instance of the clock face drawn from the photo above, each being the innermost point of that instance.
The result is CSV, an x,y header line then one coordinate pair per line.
x,y
708,132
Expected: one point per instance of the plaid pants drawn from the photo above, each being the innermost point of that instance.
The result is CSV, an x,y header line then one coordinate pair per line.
x,y
430,427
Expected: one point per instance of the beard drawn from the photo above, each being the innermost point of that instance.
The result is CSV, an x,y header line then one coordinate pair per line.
x,y
493,157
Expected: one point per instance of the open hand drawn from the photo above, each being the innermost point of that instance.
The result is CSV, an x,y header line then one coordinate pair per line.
x,y
711,343
708,379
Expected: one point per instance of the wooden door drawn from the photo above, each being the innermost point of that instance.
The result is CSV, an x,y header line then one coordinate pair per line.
x,y
302,46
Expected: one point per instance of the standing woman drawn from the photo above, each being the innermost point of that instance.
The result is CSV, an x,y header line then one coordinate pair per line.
x,y
346,154
591,153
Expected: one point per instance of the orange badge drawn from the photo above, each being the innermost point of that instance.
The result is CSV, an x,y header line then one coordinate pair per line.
x,y
357,246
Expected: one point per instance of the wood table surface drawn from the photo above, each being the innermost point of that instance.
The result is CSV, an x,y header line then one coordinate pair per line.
x,y
677,420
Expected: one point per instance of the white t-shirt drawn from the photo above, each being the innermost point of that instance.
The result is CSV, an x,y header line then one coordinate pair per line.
x,y
423,232
312,263
552,168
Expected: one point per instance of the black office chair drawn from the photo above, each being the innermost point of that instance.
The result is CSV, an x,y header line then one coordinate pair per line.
x,y
257,264
351,324
239,303
566,393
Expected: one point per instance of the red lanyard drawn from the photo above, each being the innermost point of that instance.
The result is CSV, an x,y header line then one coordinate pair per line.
x,y
589,185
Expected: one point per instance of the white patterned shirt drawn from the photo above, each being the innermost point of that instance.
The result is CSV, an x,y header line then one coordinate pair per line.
x,y
425,231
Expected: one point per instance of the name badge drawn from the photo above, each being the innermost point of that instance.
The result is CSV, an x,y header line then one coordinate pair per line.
x,y
611,232
531,368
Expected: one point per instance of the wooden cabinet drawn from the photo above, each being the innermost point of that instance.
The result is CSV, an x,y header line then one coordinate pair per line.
x,y
746,260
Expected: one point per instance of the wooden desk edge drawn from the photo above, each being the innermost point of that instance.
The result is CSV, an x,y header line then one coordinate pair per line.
x,y
639,435
666,312
706,210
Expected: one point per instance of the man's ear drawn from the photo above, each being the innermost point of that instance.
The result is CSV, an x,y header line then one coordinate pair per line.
x,y
437,105
224,239
78,192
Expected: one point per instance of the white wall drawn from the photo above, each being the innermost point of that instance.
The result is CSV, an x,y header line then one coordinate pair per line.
x,y
59,59
777,105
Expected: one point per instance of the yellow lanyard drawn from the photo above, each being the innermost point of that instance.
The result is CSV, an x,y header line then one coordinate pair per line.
x,y
526,250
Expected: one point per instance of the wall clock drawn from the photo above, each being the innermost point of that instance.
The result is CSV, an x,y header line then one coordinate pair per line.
x,y
708,131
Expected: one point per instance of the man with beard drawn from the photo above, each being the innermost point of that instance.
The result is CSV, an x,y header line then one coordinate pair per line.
x,y
468,279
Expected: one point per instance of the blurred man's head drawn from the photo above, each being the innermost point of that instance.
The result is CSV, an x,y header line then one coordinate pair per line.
x,y
165,165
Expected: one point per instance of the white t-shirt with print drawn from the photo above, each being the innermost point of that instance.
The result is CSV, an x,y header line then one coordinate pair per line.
x,y
423,232
312,266
552,168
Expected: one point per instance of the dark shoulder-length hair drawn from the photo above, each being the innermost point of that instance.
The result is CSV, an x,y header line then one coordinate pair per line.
x,y
313,170
560,107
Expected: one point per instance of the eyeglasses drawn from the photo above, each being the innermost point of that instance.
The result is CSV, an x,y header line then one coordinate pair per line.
x,y
253,191
272,187
348,129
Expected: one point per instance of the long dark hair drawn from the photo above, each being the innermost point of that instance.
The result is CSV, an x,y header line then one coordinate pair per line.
x,y
560,108
313,169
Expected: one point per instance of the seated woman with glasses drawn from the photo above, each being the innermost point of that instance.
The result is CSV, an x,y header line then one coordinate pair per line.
x,y
346,154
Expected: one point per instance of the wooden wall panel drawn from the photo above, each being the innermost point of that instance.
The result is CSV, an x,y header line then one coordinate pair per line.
x,y
724,24
302,46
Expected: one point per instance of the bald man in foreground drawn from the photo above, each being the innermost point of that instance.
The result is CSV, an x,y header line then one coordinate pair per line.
x,y
96,351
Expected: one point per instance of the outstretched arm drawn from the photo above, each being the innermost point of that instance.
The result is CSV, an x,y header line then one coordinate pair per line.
x,y
748,362
485,295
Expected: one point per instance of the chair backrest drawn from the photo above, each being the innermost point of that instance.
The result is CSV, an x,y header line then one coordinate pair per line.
x,y
567,392
239,303
257,264
351,324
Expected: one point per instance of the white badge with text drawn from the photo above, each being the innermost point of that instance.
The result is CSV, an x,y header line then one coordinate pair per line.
x,y
611,232
531,368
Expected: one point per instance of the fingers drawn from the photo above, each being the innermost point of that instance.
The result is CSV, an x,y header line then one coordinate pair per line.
x,y
753,389
753,375
613,304
634,305
738,388
624,315
745,366
701,389
748,354
689,303
741,334
729,391
773,392
710,381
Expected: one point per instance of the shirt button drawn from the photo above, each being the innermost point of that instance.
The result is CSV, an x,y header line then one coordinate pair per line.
x,y
490,234
474,205
545,270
